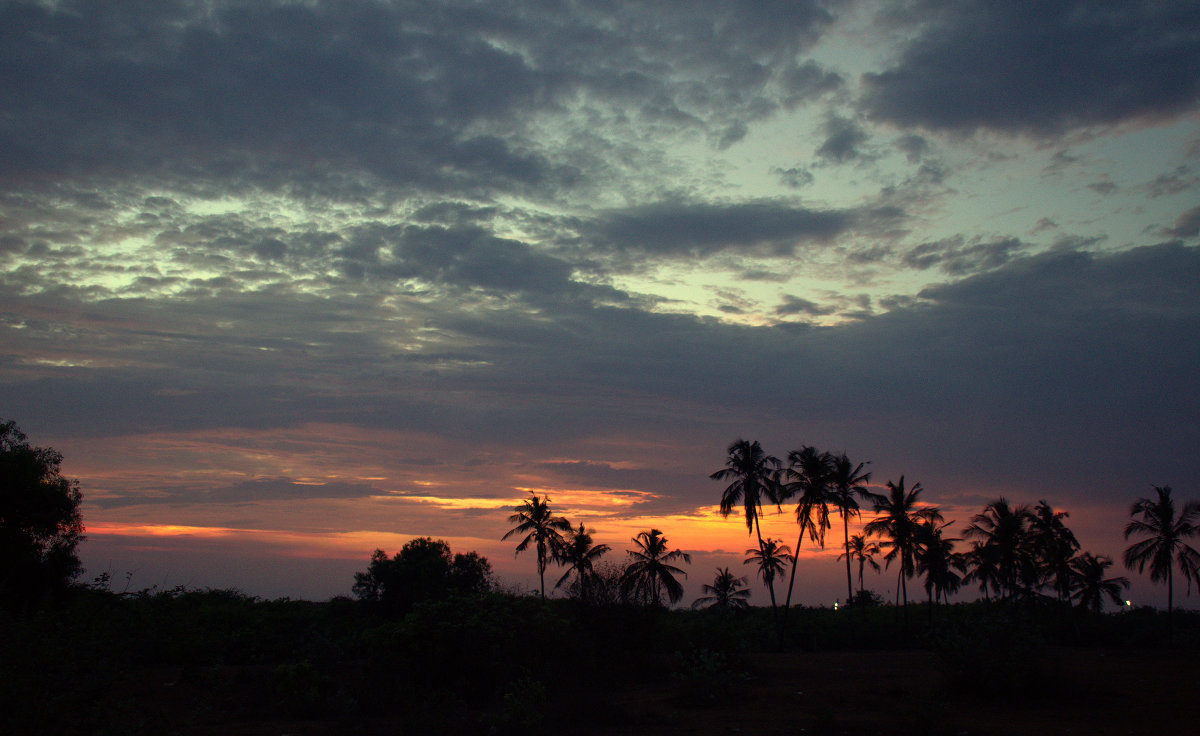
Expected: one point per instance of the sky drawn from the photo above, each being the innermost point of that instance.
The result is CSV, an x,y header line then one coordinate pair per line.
x,y
289,281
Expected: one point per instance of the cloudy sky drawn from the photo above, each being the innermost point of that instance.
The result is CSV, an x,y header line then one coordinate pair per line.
x,y
289,281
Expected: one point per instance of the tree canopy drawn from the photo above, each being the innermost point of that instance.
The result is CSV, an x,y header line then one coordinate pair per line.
x,y
40,521
423,569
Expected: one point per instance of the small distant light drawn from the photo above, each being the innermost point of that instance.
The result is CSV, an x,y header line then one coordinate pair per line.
x,y
835,605
1129,604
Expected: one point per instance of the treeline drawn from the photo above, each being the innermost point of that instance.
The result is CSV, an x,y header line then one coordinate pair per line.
x,y
1006,552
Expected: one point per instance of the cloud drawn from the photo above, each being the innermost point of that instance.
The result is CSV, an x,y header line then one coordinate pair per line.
x,y
339,99
956,256
700,229
842,141
1042,69
1188,224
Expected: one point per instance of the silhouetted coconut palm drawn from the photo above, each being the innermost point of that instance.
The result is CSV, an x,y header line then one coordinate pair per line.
x,y
810,475
859,549
1163,548
540,527
848,485
1089,586
648,574
983,567
898,516
580,555
754,476
938,562
726,591
1006,530
772,559
1054,545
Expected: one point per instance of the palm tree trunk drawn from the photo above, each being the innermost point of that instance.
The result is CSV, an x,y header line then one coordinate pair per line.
x,y
861,562
846,535
1170,602
795,561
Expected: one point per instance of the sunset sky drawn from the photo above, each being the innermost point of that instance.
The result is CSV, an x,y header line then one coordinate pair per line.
x,y
289,281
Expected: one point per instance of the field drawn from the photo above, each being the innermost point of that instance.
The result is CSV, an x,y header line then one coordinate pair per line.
x,y
215,662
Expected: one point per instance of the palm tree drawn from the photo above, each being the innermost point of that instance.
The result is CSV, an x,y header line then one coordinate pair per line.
x,y
648,574
579,555
811,475
938,562
858,548
1005,530
849,484
539,525
1089,585
983,567
754,477
898,517
1054,546
772,559
726,591
1163,547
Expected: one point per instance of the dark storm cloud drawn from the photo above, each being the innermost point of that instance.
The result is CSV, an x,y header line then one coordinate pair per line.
x,y
1041,68
1092,355
312,97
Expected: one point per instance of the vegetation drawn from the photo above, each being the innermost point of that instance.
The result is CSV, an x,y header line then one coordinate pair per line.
x,y
432,646
40,523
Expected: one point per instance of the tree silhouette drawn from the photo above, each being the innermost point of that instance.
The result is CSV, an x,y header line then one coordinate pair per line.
x,y
898,517
810,474
1164,546
40,522
938,562
859,549
649,573
579,555
754,477
1089,587
541,528
983,567
772,559
1004,530
1054,546
848,486
726,591
423,569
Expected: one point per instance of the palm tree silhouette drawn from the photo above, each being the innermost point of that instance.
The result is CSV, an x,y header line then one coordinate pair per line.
x,y
1054,545
858,548
811,475
772,559
983,563
726,591
1005,530
754,477
1163,547
648,574
579,555
848,485
897,520
541,527
1089,585
938,562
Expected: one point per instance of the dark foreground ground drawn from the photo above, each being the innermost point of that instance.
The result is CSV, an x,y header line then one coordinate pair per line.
x,y
1090,691
216,662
